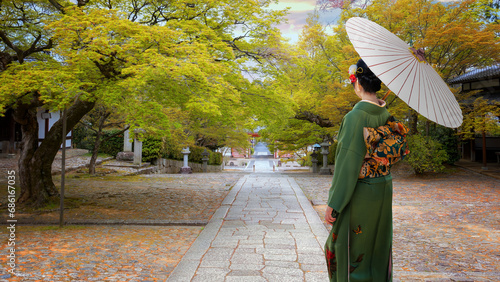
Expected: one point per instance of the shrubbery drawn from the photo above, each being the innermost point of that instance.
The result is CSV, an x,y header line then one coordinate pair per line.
x,y
112,146
426,154
84,138
170,152
448,139
151,148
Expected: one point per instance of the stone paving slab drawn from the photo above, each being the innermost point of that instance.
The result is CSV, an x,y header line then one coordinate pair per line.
x,y
265,230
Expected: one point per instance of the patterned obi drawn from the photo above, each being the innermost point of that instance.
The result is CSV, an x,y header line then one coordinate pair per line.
x,y
385,146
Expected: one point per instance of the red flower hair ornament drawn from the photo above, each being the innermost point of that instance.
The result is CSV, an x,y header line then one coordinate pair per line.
x,y
353,70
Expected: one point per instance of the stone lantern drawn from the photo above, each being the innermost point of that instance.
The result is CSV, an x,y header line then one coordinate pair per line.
x,y
185,169
325,170
314,157
205,155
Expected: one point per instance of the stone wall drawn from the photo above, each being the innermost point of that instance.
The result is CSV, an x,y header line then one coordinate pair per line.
x,y
173,166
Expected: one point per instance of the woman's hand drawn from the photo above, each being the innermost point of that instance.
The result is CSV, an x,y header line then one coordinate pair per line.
x,y
328,215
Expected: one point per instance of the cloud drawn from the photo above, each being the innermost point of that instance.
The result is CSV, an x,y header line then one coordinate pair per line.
x,y
298,13
293,28
294,5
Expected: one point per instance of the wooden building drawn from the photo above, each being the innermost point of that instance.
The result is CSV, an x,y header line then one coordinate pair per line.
x,y
487,81
11,135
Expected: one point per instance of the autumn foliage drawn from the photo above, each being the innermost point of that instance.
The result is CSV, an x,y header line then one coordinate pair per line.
x,y
456,37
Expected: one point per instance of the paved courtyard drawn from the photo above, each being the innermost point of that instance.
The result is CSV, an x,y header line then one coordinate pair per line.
x,y
446,228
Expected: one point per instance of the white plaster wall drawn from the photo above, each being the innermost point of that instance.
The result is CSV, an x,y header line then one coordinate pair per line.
x,y
54,117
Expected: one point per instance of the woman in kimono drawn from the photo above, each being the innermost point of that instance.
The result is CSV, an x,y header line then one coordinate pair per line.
x,y
360,206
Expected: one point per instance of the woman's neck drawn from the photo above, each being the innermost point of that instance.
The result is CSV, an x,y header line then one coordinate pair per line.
x,y
367,96
380,103
371,97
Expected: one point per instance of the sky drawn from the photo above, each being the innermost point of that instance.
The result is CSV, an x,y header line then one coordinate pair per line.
x,y
299,10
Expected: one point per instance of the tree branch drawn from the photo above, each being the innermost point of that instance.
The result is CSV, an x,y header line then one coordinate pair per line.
x,y
88,126
34,49
7,42
5,60
328,57
58,6
115,134
314,118
113,124
82,3
23,54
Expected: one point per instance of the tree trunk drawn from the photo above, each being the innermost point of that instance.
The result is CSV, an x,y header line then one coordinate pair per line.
x,y
30,176
99,140
485,164
473,149
93,159
413,122
35,162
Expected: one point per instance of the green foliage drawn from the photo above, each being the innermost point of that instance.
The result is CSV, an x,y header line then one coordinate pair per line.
x,y
449,139
215,158
83,138
333,151
155,148
196,156
331,156
292,134
172,68
426,154
170,149
112,146
151,149
307,160
454,35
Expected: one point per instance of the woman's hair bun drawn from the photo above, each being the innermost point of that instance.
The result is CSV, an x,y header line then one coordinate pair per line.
x,y
368,80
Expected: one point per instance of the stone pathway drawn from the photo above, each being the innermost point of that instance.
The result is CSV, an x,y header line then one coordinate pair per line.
x,y
265,230
262,165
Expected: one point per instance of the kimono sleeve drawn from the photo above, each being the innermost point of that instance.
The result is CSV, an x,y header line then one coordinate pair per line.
x,y
348,161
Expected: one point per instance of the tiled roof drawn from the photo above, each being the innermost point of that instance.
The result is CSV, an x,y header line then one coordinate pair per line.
x,y
477,74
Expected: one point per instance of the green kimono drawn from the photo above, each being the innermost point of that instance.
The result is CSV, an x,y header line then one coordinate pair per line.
x,y
359,245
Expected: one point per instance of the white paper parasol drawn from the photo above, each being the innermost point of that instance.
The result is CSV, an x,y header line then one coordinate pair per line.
x,y
405,71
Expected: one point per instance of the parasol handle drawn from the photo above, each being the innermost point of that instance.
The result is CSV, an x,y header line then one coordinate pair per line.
x,y
386,95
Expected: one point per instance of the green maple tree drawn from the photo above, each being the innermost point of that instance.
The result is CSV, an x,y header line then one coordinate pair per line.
x,y
156,63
